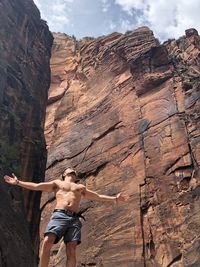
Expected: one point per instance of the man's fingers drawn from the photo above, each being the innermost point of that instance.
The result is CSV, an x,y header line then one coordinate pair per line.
x,y
124,197
7,178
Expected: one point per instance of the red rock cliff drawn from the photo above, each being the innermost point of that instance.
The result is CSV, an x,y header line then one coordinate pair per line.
x,y
25,46
124,111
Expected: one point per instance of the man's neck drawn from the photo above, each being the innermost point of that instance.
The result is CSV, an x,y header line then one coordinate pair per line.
x,y
68,179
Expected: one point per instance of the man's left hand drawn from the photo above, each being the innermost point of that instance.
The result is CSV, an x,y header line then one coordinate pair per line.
x,y
121,197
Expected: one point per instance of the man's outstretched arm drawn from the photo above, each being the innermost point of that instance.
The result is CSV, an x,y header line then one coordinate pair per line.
x,y
48,186
91,195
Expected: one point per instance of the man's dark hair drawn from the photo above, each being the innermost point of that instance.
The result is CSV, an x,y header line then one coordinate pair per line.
x,y
72,172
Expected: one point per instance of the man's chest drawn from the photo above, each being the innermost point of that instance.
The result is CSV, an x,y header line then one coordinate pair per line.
x,y
68,187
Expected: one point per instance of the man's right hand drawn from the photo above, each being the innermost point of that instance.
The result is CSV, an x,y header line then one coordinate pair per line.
x,y
46,186
11,180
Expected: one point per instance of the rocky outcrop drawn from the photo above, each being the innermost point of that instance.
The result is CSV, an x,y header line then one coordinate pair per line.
x,y
25,45
124,111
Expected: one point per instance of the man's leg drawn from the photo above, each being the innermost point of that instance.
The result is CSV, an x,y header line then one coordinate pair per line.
x,y
45,251
71,254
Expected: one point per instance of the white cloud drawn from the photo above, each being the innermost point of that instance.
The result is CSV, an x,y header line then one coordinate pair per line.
x,y
127,5
125,25
105,5
112,25
167,19
55,13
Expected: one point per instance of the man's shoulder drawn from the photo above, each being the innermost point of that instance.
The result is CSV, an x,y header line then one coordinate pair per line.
x,y
81,187
57,182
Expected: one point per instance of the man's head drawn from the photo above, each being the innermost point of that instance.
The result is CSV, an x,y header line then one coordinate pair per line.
x,y
69,172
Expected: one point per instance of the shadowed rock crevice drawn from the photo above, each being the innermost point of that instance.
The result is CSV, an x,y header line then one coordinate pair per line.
x,y
142,212
94,173
177,259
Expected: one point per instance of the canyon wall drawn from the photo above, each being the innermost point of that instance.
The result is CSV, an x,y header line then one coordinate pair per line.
x,y
25,48
124,111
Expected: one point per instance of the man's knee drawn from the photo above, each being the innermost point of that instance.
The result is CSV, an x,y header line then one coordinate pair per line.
x,y
49,240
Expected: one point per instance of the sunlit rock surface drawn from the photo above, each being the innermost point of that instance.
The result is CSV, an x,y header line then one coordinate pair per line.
x,y
25,45
124,111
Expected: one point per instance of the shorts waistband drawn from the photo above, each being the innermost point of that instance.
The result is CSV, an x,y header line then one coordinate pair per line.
x,y
67,212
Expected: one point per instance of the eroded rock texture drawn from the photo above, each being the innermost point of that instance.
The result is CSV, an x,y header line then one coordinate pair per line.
x,y
124,111
25,44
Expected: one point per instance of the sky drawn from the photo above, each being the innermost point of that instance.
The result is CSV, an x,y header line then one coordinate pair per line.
x,y
93,18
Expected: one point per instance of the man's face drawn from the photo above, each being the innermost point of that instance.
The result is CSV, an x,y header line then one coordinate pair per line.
x,y
69,171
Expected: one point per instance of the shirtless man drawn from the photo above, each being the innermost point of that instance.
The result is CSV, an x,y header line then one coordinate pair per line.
x,y
64,221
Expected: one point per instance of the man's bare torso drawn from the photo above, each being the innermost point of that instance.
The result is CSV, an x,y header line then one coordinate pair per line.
x,y
68,195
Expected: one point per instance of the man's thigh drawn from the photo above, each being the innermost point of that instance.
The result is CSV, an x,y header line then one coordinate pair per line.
x,y
73,233
49,239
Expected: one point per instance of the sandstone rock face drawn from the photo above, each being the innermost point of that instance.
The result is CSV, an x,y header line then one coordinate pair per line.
x,y
124,111
25,46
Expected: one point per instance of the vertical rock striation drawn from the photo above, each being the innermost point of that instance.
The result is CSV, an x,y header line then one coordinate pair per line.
x,y
124,111
25,47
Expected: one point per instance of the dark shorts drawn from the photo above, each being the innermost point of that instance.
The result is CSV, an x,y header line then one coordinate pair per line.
x,y
64,225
